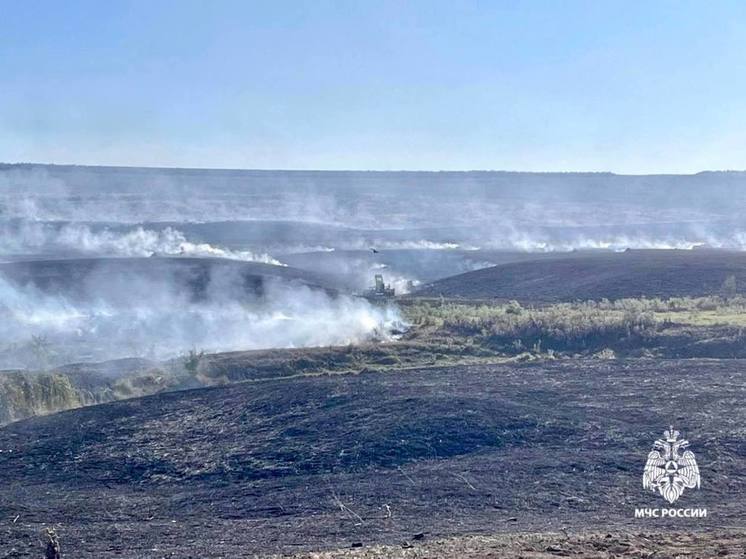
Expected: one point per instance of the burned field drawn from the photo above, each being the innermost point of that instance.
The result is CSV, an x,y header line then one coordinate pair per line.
x,y
487,428
58,312
199,369
77,277
334,461
633,273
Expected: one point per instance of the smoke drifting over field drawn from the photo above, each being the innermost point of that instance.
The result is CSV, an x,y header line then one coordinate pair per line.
x,y
24,237
133,315
680,236
412,228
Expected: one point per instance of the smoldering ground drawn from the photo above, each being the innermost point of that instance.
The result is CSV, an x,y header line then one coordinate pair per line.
x,y
107,313
31,237
411,227
260,215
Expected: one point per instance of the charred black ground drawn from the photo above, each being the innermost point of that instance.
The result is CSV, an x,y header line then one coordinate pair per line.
x,y
633,273
325,462
73,276
510,408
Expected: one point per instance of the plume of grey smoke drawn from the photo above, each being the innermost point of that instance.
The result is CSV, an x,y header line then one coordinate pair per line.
x,y
138,316
33,237
532,239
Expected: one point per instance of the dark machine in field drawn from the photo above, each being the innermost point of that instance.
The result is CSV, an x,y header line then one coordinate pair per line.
x,y
380,291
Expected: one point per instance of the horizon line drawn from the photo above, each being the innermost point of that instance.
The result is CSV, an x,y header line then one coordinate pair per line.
x,y
299,170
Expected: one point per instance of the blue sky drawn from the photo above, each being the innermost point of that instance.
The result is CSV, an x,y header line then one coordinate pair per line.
x,y
630,87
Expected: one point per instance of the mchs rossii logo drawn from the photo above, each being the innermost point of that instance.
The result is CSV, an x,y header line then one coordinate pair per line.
x,y
670,469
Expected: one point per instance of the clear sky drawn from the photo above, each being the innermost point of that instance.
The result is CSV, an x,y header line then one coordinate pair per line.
x,y
630,87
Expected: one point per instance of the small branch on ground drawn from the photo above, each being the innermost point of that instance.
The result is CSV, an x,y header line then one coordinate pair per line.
x,y
466,481
345,508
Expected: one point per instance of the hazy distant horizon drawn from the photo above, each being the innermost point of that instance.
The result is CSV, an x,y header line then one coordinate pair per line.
x,y
349,170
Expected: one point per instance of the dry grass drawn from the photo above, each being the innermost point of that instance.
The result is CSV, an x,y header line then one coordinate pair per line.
x,y
586,327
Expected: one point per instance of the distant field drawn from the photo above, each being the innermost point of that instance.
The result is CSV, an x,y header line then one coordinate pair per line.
x,y
636,273
76,276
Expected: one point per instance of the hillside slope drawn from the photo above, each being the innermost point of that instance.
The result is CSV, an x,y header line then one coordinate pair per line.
x,y
73,276
375,458
634,273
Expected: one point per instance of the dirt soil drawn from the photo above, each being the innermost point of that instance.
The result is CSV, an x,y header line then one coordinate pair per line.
x,y
478,453
545,546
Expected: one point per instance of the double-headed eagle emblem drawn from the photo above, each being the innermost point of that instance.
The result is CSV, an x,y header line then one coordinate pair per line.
x,y
668,470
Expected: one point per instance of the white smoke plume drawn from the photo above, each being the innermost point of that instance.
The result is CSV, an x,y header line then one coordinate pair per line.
x,y
137,316
558,240
36,237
